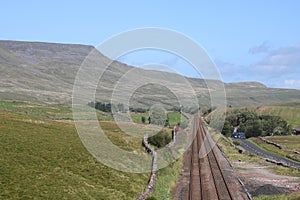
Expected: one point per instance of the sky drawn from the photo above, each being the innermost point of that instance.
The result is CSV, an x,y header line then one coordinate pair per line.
x,y
248,40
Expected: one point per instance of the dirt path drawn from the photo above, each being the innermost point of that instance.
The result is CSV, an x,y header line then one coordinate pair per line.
x,y
257,176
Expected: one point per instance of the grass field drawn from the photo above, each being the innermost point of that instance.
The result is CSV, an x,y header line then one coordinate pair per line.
x,y
167,180
42,157
174,117
289,143
233,155
46,111
288,111
45,159
137,117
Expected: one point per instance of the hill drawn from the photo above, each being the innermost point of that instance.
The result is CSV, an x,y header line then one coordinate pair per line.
x,y
45,72
45,159
289,111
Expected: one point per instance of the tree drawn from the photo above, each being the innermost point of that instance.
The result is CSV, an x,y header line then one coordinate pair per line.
x,y
120,107
143,119
161,139
254,125
158,117
253,128
167,122
227,129
91,104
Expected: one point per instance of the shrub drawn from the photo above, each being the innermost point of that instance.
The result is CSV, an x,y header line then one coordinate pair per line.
x,y
151,198
235,142
161,139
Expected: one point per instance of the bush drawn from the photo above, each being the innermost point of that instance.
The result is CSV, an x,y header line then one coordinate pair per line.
x,y
161,139
151,198
254,125
235,142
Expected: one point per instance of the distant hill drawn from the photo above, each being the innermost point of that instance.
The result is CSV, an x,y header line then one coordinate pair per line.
x,y
246,85
289,111
45,72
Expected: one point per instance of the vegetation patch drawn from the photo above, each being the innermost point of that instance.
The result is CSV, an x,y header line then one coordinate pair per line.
x,y
280,152
161,139
176,118
254,125
48,111
167,180
288,111
48,161
171,119
291,142
233,154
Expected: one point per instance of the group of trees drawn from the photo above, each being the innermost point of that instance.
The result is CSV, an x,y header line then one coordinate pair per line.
x,y
156,117
156,121
255,125
161,139
105,107
137,110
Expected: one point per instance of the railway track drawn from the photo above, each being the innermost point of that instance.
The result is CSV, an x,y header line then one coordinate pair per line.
x,y
210,176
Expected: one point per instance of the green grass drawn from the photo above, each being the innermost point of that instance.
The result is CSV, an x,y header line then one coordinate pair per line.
x,y
46,111
45,159
286,171
167,180
174,117
233,154
120,139
280,152
37,110
137,117
290,142
290,112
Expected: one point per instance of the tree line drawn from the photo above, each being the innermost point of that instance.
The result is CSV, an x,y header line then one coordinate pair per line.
x,y
255,125
107,107
120,107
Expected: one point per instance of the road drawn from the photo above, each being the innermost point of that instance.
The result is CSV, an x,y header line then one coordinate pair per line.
x,y
252,148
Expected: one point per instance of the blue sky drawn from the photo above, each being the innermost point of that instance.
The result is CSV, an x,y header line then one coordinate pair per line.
x,y
248,40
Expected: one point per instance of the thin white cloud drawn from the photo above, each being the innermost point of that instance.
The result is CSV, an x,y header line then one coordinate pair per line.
x,y
233,73
280,68
292,83
262,48
289,56
270,69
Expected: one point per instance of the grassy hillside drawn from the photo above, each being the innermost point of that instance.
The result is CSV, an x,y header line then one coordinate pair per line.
x,y
174,117
288,111
45,72
45,159
290,144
